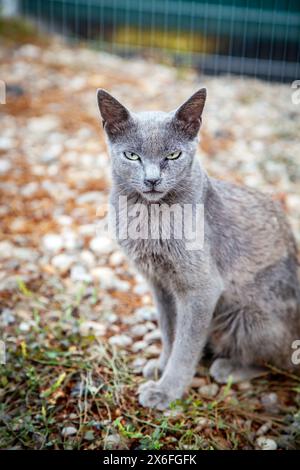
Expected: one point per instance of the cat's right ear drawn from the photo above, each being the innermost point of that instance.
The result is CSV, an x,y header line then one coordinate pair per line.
x,y
188,117
114,115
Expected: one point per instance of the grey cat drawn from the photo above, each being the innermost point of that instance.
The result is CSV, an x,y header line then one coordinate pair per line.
x,y
240,294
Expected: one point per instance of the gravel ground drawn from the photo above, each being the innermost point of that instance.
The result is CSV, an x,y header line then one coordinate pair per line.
x,y
77,320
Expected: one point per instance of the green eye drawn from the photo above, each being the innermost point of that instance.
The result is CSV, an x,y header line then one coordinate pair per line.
x,y
174,155
131,156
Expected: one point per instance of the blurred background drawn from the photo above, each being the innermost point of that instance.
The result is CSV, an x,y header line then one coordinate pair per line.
x,y
258,38
77,321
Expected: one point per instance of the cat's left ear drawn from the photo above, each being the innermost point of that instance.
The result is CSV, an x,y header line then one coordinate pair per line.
x,y
188,116
114,115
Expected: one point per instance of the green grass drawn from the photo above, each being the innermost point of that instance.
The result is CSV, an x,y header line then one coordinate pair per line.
x,y
55,378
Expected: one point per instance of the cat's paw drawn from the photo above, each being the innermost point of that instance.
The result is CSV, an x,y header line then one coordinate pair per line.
x,y
152,369
222,370
151,395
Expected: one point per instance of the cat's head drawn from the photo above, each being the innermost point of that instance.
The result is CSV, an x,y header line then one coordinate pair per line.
x,y
152,152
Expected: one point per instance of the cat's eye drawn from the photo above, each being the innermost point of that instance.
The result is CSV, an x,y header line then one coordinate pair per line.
x,y
173,155
131,156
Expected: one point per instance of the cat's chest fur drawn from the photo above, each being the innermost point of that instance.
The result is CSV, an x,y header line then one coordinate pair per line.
x,y
150,244
154,258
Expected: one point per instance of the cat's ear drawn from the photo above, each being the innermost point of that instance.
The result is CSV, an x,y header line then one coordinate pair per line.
x,y
188,115
114,115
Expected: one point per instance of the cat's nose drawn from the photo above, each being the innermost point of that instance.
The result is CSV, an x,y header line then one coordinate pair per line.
x,y
152,181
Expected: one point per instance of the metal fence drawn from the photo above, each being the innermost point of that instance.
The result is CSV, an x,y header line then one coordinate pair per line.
x,y
260,38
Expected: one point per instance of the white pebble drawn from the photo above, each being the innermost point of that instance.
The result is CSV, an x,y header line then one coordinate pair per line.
x,y
52,242
116,258
69,431
120,340
102,245
138,330
209,391
91,327
265,443
87,258
152,336
62,262
78,273
4,166
138,346
6,143
146,313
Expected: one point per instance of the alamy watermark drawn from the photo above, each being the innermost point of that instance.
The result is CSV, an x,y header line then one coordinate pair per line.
x,y
2,353
296,94
154,221
2,92
296,354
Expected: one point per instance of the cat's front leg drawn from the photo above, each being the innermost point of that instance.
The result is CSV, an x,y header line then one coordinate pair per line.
x,y
194,313
166,306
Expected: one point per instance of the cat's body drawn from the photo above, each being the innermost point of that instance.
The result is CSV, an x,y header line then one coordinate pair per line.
x,y
240,292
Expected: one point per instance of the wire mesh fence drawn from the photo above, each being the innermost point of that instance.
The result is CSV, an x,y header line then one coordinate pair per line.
x,y
260,38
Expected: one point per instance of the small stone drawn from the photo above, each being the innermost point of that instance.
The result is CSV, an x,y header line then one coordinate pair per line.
x,y
7,317
6,249
141,289
89,435
112,441
266,443
105,277
53,242
78,273
29,189
270,402
150,325
91,327
245,385
209,391
138,346
24,326
138,364
69,431
71,241
102,245
64,220
121,286
87,258
138,330
6,143
43,124
146,313
29,50
5,166
146,299
153,350
202,423
111,317
264,428
51,154
62,262
173,413
120,340
108,280
129,320
152,336
198,382
91,197
116,258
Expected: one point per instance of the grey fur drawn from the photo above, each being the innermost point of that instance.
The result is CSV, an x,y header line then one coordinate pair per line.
x,y
240,294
